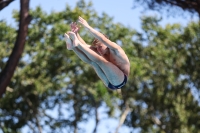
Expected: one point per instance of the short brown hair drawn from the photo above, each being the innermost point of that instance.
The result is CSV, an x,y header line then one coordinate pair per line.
x,y
95,41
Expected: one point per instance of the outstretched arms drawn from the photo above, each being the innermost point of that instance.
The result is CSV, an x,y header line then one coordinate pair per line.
x,y
75,28
98,35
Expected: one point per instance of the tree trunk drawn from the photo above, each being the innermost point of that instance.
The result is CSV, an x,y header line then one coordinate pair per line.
x,y
14,58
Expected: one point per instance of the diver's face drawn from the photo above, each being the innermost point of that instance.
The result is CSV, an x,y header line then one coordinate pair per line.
x,y
101,48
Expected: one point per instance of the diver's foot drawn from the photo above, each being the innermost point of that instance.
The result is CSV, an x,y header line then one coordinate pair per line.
x,y
74,38
68,42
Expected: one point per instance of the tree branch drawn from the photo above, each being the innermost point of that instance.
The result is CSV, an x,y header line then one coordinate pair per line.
x,y
123,117
186,4
96,119
31,127
38,125
4,3
14,58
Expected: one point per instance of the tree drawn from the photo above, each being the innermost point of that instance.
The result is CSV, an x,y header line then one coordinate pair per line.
x,y
187,5
53,91
165,75
7,72
4,3
49,77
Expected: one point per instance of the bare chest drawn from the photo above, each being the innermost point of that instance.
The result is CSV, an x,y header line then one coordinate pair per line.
x,y
115,60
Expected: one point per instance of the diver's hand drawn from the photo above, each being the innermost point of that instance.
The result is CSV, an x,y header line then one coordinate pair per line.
x,y
74,27
83,22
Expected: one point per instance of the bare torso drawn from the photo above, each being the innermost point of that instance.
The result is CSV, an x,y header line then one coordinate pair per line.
x,y
120,59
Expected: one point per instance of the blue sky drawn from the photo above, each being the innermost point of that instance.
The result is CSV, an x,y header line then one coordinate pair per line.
x,y
121,12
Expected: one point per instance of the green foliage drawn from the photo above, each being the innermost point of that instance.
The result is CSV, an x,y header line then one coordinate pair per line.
x,y
167,76
6,42
49,76
54,91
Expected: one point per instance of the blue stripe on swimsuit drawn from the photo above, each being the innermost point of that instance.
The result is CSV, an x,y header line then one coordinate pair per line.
x,y
118,86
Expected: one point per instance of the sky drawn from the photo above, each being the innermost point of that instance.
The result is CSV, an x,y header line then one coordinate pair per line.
x,y
121,11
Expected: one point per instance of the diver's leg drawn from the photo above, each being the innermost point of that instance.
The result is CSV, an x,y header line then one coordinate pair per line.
x,y
112,72
84,58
